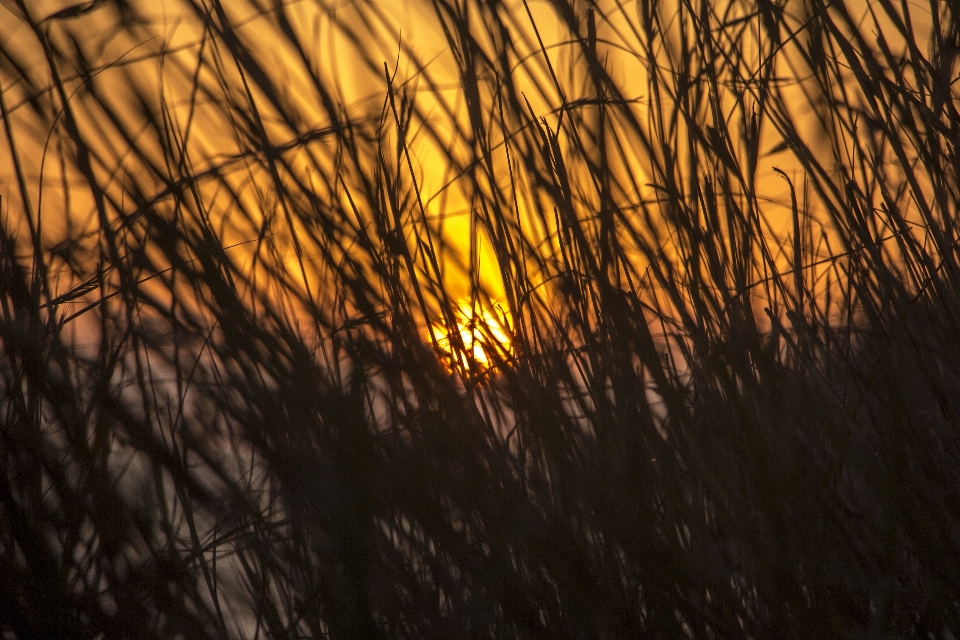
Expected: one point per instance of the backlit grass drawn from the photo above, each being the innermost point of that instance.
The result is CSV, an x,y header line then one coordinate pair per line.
x,y
480,319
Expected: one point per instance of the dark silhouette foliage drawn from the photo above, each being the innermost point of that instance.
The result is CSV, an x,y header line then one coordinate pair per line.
x,y
249,253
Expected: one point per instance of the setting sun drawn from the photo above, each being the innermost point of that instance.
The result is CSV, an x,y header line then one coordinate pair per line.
x,y
483,334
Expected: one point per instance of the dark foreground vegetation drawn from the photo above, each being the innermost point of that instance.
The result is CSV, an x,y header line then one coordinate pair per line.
x,y
723,240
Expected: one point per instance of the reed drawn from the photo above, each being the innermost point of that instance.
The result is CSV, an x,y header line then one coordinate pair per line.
x,y
248,252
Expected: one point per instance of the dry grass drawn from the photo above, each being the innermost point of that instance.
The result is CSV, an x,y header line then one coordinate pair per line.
x,y
239,243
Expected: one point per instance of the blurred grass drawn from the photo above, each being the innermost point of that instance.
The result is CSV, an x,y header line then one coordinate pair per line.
x,y
246,251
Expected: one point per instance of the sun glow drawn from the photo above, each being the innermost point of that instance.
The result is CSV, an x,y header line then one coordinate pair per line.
x,y
484,335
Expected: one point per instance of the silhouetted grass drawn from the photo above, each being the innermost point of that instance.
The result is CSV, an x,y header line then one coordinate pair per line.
x,y
239,242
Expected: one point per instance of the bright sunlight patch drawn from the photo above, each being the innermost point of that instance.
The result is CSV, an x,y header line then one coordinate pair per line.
x,y
481,338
